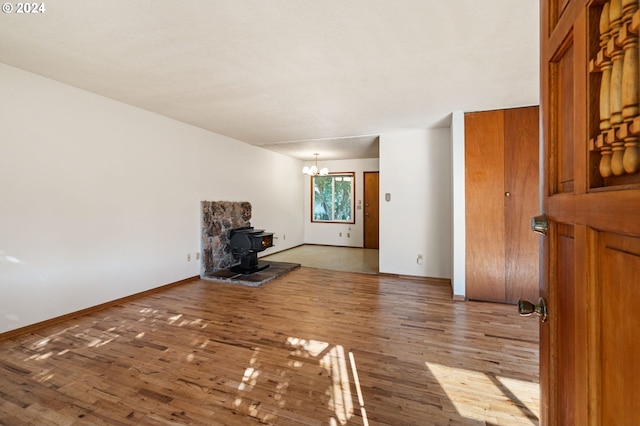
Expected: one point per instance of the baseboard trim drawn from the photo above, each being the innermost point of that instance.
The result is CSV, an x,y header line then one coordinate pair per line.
x,y
310,244
262,254
46,323
334,245
419,277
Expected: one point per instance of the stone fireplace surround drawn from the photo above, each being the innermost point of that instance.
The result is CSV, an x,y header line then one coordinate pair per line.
x,y
219,217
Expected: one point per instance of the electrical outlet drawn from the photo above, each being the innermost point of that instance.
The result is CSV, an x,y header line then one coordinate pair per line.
x,y
340,234
188,257
197,255
348,234
419,260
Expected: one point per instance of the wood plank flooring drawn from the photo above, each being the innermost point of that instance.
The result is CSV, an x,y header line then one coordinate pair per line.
x,y
314,347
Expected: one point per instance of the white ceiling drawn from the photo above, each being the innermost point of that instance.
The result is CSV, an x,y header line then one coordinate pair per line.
x,y
294,76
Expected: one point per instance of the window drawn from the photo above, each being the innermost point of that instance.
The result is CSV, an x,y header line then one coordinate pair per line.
x,y
332,198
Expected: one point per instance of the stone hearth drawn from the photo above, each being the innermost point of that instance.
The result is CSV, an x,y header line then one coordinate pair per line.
x,y
275,270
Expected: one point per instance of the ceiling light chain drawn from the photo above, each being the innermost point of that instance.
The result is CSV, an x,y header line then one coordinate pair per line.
x,y
314,171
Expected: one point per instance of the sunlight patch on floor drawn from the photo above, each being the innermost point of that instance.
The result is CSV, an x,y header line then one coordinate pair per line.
x,y
311,347
339,365
340,401
476,395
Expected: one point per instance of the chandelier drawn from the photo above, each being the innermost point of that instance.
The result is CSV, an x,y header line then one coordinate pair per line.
x,y
314,171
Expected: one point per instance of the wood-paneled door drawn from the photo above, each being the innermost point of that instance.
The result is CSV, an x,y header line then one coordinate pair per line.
x,y
502,187
590,345
371,214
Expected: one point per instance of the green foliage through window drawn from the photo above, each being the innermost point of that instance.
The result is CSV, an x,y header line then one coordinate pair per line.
x,y
332,198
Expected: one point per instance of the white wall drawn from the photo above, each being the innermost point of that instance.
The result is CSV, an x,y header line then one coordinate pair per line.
x,y
329,233
100,200
415,169
271,182
458,281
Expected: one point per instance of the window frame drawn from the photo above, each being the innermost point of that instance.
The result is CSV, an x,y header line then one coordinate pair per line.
x,y
352,175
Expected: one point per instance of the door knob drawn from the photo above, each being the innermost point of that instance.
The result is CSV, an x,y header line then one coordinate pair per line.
x,y
526,308
539,224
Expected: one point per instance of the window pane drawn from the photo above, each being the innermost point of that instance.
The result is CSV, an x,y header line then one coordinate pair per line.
x,y
342,201
333,198
322,198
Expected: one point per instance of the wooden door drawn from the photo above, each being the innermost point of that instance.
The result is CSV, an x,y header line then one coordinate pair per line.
x,y
371,210
485,200
590,346
522,199
502,192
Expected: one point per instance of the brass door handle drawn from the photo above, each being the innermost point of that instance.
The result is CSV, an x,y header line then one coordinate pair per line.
x,y
526,308
539,224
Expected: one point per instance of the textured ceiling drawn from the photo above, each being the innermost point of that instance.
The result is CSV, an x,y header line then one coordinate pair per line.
x,y
275,72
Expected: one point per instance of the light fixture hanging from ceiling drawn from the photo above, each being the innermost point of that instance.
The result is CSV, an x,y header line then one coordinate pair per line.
x,y
314,171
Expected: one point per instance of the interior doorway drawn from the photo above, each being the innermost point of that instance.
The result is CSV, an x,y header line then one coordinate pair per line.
x,y
371,216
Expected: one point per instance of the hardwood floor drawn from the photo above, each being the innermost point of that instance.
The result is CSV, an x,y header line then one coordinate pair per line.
x,y
314,347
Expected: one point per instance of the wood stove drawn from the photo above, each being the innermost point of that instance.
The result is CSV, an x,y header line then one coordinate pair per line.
x,y
245,243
